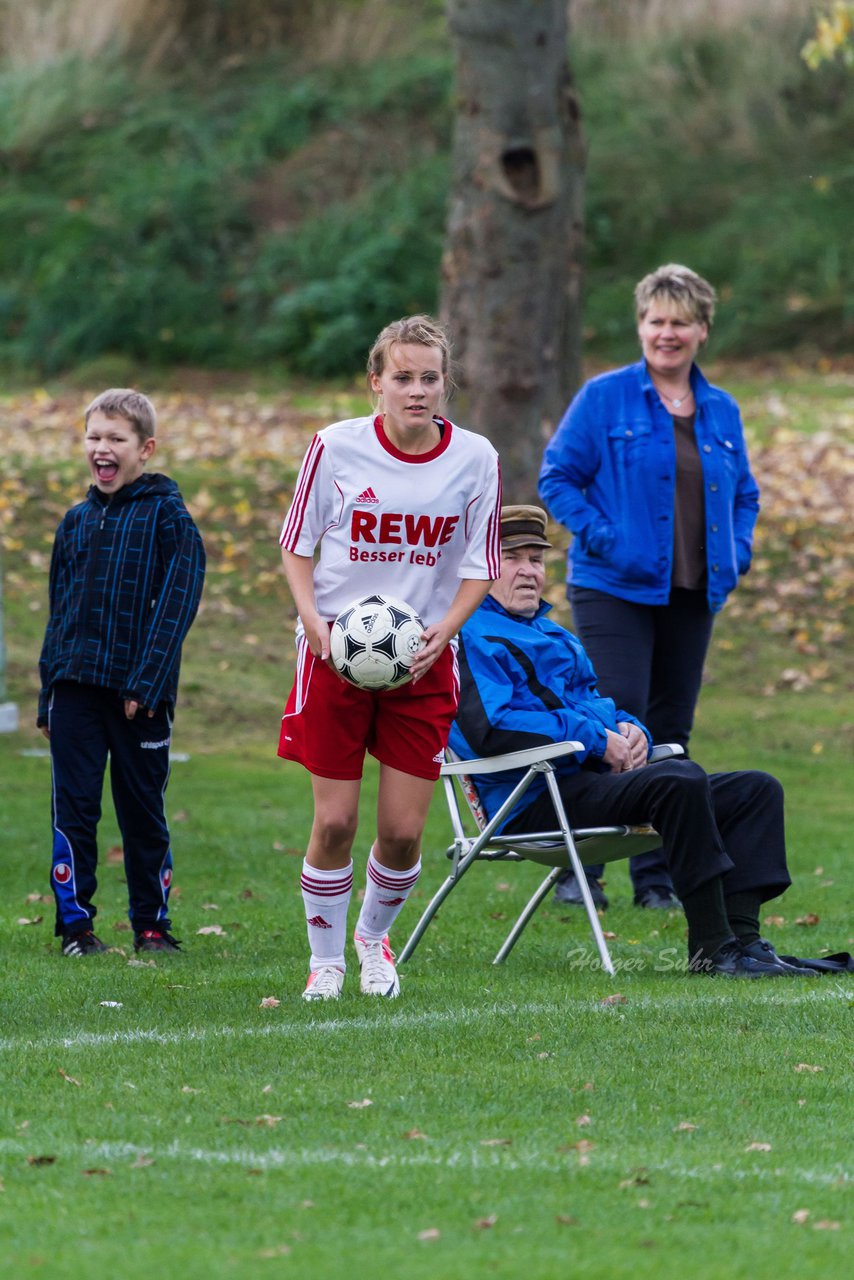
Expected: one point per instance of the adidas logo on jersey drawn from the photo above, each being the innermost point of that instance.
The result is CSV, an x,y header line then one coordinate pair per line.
x,y
368,496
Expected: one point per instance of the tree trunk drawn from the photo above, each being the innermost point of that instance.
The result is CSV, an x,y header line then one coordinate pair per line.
x,y
511,272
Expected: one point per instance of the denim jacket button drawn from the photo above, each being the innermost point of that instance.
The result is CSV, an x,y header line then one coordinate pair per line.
x,y
707,448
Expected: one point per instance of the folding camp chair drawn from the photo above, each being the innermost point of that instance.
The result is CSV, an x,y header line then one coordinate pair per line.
x,y
558,849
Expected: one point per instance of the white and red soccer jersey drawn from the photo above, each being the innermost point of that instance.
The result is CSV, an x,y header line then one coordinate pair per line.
x,y
412,525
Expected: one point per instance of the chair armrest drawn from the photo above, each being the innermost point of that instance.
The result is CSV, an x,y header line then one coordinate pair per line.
x,y
665,751
512,759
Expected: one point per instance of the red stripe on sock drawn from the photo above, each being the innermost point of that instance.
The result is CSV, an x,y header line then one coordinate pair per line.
x,y
326,888
392,882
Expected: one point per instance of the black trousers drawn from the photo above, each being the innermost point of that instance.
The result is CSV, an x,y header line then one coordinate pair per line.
x,y
718,824
649,659
86,725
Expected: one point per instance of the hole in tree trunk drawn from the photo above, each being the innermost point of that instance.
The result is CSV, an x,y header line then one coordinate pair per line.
x,y
522,171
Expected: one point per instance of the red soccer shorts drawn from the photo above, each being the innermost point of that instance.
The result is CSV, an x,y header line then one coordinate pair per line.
x,y
328,724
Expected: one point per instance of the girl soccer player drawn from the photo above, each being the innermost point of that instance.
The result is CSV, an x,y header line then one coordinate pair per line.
x,y
407,503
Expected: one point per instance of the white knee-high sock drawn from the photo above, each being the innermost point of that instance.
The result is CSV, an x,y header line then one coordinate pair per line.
x,y
385,893
326,895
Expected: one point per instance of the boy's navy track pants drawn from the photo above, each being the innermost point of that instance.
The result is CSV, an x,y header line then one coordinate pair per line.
x,y
88,725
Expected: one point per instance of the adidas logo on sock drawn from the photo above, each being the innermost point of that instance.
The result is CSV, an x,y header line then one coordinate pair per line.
x,y
368,496
318,922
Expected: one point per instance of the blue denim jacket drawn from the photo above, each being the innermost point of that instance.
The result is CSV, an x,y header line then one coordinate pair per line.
x,y
609,475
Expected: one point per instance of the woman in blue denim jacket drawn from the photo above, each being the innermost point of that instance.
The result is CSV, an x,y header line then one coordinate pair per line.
x,y
649,471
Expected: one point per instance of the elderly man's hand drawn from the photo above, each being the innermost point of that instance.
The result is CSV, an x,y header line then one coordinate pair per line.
x,y
638,745
618,753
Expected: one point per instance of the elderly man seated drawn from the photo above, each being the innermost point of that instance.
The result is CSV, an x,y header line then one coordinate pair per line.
x,y
525,681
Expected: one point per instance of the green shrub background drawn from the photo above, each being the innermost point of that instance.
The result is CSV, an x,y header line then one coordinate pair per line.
x,y
233,202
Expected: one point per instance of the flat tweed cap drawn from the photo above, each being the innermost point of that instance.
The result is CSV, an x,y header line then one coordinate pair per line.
x,y
523,527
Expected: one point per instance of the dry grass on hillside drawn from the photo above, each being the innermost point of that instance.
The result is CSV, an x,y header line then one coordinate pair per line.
x,y
35,33
40,32
646,18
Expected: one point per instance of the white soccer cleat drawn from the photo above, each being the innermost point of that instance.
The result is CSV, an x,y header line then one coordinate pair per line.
x,y
325,984
378,976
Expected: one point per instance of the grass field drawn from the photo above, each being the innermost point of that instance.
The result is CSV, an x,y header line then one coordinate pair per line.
x,y
494,1121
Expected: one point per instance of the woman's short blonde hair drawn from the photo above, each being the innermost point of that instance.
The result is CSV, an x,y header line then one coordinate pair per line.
x,y
420,331
681,286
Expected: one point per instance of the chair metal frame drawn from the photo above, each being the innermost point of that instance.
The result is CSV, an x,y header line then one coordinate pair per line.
x,y
558,849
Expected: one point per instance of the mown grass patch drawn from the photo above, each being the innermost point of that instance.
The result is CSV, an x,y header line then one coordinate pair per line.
x,y
492,1120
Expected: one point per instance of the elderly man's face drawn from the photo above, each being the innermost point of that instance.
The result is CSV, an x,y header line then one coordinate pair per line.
x,y
521,582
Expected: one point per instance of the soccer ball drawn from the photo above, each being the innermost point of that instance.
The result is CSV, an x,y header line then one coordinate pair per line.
x,y
373,641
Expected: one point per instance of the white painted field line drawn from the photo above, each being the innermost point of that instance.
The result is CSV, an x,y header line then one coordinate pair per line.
x,y
330,1026
385,1020
468,1158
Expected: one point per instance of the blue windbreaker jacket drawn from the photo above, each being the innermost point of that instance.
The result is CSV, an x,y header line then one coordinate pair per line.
x,y
126,578
525,682
609,475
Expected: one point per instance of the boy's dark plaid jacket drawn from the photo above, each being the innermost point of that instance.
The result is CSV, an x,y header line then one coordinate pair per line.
x,y
126,578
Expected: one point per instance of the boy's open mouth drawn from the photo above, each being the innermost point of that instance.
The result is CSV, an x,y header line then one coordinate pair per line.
x,y
107,471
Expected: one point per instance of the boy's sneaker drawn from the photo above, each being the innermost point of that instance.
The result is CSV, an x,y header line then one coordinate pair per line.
x,y
82,944
324,984
155,940
378,976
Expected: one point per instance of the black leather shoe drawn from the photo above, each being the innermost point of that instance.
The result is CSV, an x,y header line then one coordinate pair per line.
x,y
731,961
657,899
762,950
568,892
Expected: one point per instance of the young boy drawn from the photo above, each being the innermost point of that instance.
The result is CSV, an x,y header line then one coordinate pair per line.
x,y
125,582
